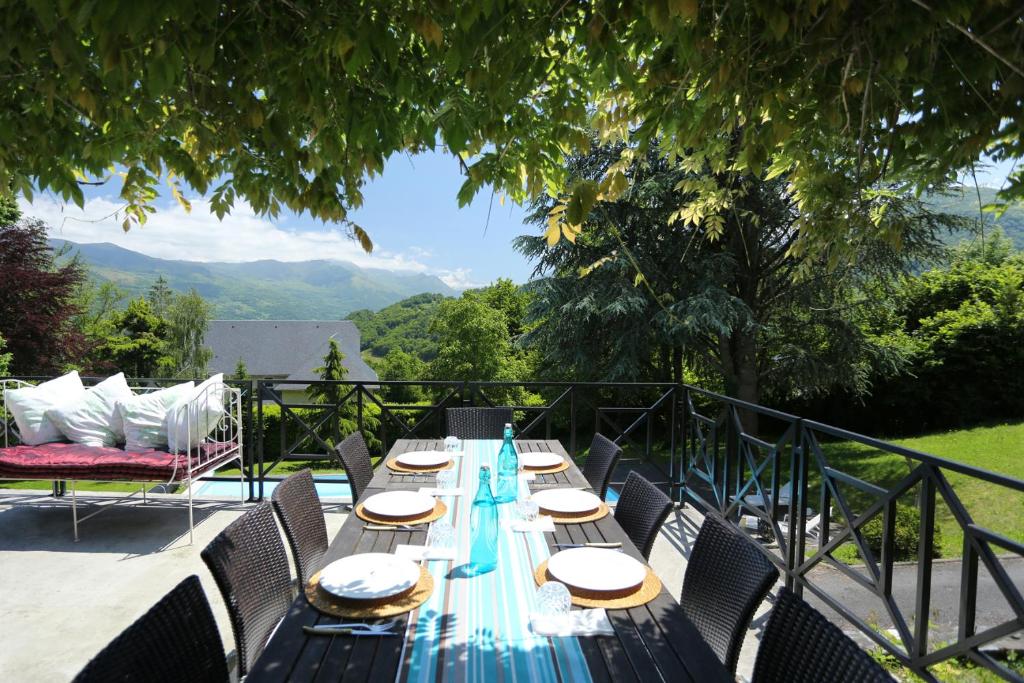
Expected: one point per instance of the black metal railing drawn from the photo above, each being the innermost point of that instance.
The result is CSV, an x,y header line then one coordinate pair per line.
x,y
642,417
785,479
794,488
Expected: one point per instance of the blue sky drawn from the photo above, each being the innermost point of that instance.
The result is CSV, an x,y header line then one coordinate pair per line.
x,y
410,212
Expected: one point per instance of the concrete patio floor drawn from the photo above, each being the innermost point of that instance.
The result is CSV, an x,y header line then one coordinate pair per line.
x,y
63,601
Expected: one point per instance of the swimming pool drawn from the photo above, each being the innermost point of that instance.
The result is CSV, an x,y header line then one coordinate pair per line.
x,y
336,488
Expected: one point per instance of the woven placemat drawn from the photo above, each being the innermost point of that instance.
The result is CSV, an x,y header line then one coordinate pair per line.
x,y
399,467
601,511
548,470
369,609
647,591
437,513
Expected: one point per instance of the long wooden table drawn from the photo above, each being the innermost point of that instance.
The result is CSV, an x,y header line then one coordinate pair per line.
x,y
652,642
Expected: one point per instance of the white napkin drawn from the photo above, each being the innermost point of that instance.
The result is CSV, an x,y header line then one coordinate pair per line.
x,y
586,622
442,493
417,553
527,476
542,523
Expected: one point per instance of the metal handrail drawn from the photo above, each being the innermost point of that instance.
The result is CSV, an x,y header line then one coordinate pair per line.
x,y
717,465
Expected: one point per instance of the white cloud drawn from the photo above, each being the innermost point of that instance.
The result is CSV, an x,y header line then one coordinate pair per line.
x,y
173,233
460,278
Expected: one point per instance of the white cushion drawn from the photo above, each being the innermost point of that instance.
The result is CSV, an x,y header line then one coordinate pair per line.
x,y
145,416
28,405
193,418
93,418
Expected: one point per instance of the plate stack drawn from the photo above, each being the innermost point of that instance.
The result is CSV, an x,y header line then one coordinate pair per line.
x,y
400,507
619,582
570,505
369,585
421,461
541,461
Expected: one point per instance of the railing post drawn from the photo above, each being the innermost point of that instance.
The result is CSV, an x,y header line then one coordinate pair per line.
x,y
797,506
730,479
684,436
359,411
572,421
925,547
259,414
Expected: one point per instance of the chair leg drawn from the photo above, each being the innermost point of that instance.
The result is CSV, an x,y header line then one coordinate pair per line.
x,y
74,510
191,525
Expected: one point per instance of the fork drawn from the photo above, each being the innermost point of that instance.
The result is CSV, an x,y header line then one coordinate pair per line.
x,y
357,625
327,631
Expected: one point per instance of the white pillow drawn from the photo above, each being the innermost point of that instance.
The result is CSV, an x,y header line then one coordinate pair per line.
x,y
28,405
93,418
145,416
193,418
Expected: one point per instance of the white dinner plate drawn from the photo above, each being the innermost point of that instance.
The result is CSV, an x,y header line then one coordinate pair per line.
x,y
369,576
399,504
576,568
540,460
424,458
567,501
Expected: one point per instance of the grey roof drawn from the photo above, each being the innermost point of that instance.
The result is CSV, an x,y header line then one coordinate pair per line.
x,y
284,348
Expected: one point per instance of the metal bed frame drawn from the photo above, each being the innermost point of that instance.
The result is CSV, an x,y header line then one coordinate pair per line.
x,y
228,430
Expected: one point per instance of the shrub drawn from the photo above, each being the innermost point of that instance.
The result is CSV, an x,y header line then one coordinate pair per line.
x,y
907,533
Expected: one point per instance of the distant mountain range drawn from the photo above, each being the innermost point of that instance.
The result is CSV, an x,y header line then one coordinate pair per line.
x,y
964,202
260,290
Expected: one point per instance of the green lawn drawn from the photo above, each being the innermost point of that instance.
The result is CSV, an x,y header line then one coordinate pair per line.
x,y
998,448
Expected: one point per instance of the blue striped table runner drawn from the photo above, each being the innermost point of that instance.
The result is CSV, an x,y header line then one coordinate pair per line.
x,y
478,628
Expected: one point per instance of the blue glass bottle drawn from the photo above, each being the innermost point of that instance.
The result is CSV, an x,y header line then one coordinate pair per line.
x,y
483,525
508,470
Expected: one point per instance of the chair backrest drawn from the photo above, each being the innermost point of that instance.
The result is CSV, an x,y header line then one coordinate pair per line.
x,y
355,456
250,566
176,640
600,463
298,506
478,423
800,644
727,577
641,510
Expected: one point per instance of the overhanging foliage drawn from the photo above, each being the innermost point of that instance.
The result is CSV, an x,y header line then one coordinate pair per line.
x,y
295,104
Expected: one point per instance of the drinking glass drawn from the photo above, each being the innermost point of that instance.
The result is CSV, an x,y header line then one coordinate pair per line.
x,y
527,509
441,535
447,479
452,444
553,599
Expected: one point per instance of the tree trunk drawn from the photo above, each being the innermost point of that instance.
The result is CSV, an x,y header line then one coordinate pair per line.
x,y
739,364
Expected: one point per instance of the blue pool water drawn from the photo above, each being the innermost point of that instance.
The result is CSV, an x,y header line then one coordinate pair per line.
x,y
325,489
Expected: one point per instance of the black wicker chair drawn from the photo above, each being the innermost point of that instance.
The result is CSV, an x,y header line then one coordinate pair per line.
x,y
600,463
641,511
478,423
250,566
800,644
298,506
727,577
176,640
355,456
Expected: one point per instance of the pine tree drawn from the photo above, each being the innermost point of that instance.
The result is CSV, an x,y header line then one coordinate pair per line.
x,y
327,392
241,371
160,296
